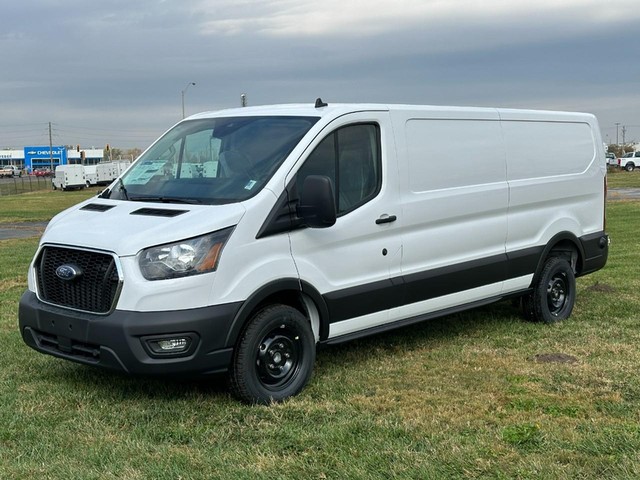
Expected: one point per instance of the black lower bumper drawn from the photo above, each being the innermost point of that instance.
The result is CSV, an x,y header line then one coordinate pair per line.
x,y
120,340
595,248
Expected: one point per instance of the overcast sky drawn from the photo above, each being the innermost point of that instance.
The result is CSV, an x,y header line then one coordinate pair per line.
x,y
113,71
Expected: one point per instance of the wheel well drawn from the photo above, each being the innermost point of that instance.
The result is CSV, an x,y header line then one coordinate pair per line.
x,y
303,302
569,251
295,299
286,297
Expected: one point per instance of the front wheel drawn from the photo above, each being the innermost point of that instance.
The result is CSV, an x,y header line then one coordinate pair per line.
x,y
554,293
274,357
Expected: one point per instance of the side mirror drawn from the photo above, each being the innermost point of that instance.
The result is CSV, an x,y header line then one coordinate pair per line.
x,y
317,206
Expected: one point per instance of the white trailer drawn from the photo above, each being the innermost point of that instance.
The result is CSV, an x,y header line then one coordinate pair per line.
x,y
69,177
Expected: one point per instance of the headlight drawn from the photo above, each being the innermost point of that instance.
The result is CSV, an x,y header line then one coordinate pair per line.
x,y
184,258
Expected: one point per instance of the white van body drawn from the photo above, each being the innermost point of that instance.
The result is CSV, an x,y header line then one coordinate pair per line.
x,y
403,229
91,175
69,177
121,166
107,172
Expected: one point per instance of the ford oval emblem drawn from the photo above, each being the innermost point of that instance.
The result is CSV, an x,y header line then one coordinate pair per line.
x,y
68,272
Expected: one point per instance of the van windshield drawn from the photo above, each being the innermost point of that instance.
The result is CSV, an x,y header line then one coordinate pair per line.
x,y
212,161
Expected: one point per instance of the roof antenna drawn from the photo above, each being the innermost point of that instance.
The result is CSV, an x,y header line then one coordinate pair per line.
x,y
320,103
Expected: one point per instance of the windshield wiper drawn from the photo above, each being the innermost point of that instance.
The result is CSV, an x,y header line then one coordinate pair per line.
x,y
192,201
107,193
123,189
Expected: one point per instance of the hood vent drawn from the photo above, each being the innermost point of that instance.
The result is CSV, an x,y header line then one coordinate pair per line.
x,y
97,207
158,212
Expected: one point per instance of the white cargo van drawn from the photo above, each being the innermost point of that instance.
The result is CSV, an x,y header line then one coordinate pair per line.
x,y
91,175
69,177
121,166
243,238
107,172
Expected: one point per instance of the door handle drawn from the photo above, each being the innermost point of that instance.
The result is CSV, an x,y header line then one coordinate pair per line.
x,y
385,219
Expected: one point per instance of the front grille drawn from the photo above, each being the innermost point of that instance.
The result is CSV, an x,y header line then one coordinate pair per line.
x,y
94,287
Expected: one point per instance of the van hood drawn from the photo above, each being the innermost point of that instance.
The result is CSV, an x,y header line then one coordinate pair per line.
x,y
126,227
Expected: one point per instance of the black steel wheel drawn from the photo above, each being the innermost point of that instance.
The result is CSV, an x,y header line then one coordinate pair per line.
x,y
554,292
274,357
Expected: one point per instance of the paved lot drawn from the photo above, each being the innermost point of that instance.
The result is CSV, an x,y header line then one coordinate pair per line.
x,y
623,193
21,230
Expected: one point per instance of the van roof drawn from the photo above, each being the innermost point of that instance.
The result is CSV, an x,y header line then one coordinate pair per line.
x,y
292,109
337,109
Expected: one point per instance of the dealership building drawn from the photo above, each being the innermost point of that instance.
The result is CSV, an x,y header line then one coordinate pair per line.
x,y
30,158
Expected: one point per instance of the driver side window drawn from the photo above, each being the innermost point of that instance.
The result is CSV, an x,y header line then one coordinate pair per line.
x,y
350,158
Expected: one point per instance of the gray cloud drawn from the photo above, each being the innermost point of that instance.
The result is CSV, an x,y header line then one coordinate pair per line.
x,y
113,71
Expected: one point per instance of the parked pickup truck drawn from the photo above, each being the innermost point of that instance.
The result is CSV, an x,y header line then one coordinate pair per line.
x,y
10,171
629,161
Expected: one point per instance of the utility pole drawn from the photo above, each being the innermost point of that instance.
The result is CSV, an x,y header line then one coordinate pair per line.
x,y
183,92
243,100
617,125
50,148
624,132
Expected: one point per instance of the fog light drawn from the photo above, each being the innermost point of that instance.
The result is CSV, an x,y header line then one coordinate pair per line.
x,y
169,345
173,345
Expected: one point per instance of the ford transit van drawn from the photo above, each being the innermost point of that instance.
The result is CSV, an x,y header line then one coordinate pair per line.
x,y
242,239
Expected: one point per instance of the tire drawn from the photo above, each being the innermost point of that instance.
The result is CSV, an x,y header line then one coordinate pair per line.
x,y
274,357
629,167
554,293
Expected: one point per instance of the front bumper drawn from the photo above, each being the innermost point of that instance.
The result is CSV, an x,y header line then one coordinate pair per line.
x,y
118,340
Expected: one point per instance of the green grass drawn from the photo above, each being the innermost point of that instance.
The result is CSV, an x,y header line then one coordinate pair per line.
x,y
41,205
619,178
458,397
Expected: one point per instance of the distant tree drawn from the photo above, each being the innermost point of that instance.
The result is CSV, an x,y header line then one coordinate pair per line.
x,y
620,150
133,153
121,154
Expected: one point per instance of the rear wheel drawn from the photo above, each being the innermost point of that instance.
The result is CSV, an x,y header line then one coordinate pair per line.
x,y
629,167
554,293
274,357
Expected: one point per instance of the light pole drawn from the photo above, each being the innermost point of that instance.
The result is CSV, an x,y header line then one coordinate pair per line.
x,y
183,92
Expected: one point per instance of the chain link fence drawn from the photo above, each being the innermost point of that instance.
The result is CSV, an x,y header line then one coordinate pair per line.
x,y
29,183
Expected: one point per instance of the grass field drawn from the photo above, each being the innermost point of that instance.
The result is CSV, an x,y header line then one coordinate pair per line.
x,y
24,184
41,205
476,395
618,178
